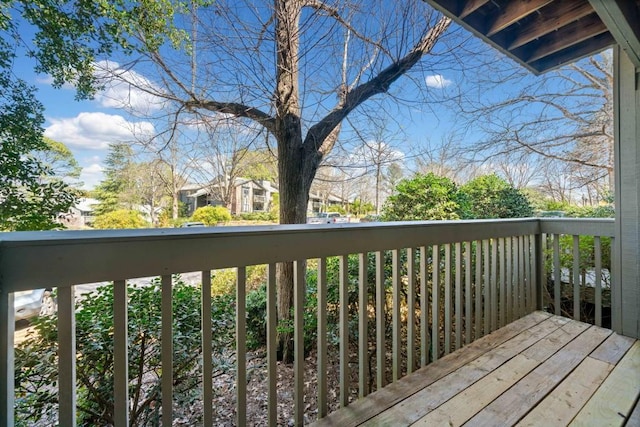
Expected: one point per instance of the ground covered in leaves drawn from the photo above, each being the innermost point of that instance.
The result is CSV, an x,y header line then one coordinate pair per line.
x,y
224,403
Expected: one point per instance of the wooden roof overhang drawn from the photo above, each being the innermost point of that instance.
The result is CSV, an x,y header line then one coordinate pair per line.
x,y
545,34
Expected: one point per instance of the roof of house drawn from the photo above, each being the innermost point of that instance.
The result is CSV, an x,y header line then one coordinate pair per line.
x,y
86,204
545,34
202,189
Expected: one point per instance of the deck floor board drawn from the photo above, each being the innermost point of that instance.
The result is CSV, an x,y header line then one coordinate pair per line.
x,y
538,370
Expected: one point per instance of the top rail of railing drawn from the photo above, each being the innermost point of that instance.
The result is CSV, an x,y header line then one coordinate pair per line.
x,y
31,260
578,226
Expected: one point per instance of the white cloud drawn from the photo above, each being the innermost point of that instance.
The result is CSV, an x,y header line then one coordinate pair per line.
x,y
126,89
437,81
95,131
91,175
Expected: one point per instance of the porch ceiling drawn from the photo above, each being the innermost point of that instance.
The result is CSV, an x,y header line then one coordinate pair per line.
x,y
545,34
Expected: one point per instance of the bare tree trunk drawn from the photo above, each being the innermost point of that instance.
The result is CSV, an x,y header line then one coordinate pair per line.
x,y
175,206
378,179
288,133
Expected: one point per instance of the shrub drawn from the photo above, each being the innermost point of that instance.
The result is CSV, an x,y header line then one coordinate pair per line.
x,y
258,216
211,215
423,197
120,219
257,317
36,358
223,282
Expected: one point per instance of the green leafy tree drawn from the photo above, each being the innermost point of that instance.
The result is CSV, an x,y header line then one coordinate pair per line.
x,y
30,196
490,196
120,219
211,215
59,160
118,189
423,197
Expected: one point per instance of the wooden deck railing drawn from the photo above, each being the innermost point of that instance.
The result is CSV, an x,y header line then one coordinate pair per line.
x,y
579,264
422,290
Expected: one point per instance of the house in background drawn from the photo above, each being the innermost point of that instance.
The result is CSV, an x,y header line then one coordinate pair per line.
x,y
319,202
81,214
247,195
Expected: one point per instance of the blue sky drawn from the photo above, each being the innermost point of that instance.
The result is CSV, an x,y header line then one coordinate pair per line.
x,y
87,127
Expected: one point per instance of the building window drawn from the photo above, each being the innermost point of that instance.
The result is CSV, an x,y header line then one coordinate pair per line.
x,y
245,199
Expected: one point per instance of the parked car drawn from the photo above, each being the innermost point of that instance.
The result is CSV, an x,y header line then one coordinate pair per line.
x,y
327,218
192,224
33,303
370,218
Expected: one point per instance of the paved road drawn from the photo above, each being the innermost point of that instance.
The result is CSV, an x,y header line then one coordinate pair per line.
x,y
189,278
23,327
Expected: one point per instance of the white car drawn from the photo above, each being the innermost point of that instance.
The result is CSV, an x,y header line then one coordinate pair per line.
x,y
327,218
34,303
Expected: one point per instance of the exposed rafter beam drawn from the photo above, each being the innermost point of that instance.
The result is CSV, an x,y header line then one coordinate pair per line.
x,y
552,17
575,52
623,20
566,37
513,12
471,6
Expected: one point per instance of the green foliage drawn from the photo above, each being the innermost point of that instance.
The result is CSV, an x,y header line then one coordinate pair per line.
x,y
359,207
211,215
274,209
116,191
30,197
59,160
423,197
258,216
257,165
430,197
490,196
120,219
601,211
36,358
257,317
223,282
587,253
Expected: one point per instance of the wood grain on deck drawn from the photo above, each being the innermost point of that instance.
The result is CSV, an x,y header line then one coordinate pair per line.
x,y
539,370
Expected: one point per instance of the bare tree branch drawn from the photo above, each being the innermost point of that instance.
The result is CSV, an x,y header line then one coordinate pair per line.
x,y
379,84
235,109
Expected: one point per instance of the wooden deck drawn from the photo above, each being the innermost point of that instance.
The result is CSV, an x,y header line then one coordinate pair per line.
x,y
541,370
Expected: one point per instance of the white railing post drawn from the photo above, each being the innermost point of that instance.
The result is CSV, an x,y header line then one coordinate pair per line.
x,y
7,365
539,272
299,291
120,355
344,330
272,347
424,309
322,338
207,343
363,336
67,355
435,302
576,278
241,348
395,317
380,322
166,343
411,310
